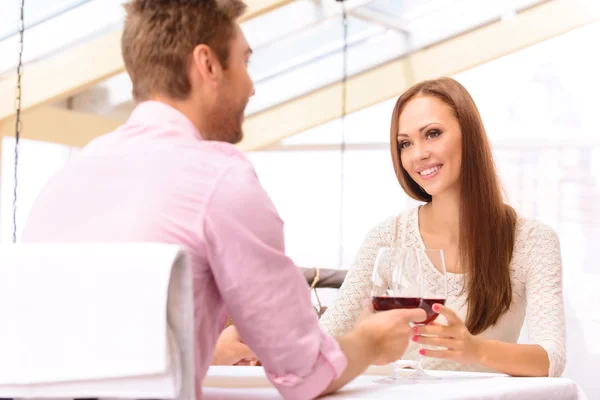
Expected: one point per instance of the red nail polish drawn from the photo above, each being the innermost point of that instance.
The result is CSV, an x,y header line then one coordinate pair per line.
x,y
415,338
422,352
436,307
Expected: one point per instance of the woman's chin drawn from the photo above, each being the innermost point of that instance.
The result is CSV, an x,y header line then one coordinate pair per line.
x,y
440,191
431,190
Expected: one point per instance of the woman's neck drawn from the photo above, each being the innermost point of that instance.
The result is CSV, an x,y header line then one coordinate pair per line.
x,y
441,216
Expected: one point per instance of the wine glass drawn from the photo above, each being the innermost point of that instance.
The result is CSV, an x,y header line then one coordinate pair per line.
x,y
434,290
391,290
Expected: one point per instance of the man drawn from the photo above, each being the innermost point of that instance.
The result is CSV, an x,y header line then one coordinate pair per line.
x,y
171,174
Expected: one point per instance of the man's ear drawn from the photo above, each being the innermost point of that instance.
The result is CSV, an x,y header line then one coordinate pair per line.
x,y
206,64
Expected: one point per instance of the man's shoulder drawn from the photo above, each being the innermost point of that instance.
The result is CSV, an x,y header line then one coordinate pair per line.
x,y
225,155
160,144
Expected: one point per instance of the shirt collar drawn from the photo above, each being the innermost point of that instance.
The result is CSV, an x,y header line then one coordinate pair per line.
x,y
158,113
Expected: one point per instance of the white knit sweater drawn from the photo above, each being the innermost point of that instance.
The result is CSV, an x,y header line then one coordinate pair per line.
x,y
536,277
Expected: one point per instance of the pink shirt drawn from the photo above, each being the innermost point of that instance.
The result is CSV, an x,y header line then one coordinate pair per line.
x,y
154,179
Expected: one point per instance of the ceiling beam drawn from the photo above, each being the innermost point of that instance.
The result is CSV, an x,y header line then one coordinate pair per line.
x,y
59,125
80,67
379,18
264,129
260,7
531,26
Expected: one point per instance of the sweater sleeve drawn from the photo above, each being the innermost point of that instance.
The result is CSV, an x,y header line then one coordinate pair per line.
x,y
545,307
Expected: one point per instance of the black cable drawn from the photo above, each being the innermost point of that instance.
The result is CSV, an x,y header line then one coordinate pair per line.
x,y
18,122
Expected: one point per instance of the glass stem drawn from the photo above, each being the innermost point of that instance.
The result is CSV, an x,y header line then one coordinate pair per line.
x,y
420,365
396,372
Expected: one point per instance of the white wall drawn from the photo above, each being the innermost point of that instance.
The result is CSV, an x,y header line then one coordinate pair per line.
x,y
38,161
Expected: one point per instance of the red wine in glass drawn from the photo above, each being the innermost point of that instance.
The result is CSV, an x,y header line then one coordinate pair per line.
x,y
385,303
427,304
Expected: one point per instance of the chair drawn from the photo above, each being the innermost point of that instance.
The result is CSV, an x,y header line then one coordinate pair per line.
x,y
96,321
320,278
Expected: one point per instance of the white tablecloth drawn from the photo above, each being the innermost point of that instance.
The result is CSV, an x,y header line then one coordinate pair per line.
x,y
251,383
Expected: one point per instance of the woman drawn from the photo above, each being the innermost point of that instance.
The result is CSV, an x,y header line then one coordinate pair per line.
x,y
500,266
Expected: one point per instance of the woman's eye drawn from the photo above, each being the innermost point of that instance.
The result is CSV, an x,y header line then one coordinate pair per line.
x,y
403,145
433,134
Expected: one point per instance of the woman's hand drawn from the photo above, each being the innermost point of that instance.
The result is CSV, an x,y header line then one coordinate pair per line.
x,y
461,346
231,351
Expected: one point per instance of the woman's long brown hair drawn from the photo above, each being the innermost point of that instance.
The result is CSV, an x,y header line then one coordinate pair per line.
x,y
487,224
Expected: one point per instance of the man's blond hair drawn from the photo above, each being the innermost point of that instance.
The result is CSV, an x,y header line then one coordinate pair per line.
x,y
160,35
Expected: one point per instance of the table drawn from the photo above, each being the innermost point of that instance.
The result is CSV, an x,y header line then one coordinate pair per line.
x,y
251,383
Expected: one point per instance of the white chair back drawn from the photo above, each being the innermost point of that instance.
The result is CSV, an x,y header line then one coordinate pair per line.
x,y
96,321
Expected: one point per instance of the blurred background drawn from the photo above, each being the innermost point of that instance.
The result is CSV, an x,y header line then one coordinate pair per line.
x,y
531,66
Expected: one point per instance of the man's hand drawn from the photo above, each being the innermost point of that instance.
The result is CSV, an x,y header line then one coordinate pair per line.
x,y
230,350
388,332
366,312
378,338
